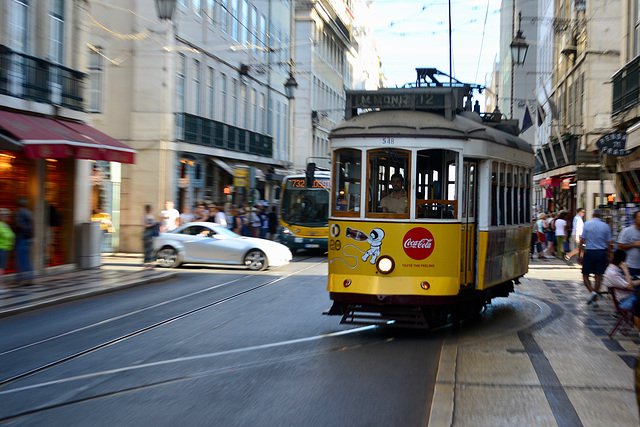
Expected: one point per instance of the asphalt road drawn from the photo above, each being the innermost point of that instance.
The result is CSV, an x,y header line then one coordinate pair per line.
x,y
213,347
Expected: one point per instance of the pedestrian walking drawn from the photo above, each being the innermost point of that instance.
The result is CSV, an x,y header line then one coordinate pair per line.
x,y
264,222
7,241
629,241
542,237
170,216
273,223
24,236
596,244
576,232
550,231
150,230
561,234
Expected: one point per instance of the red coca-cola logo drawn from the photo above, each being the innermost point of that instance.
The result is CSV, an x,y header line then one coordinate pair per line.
x,y
418,243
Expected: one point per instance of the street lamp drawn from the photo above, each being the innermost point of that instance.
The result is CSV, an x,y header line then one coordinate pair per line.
x,y
165,8
290,85
519,47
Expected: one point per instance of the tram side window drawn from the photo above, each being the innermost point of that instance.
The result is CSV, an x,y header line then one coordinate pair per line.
x,y
436,184
509,191
346,177
494,193
387,181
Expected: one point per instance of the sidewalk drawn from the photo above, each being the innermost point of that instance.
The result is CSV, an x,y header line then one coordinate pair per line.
x,y
118,271
541,357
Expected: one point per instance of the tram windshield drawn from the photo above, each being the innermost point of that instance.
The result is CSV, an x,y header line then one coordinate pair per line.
x,y
388,180
307,207
436,184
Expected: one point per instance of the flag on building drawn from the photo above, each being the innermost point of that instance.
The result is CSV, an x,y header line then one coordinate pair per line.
x,y
541,114
527,122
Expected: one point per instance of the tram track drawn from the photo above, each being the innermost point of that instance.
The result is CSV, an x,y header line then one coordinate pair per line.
x,y
123,337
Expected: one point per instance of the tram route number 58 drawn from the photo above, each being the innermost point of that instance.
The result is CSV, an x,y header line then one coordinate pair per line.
x,y
335,245
388,141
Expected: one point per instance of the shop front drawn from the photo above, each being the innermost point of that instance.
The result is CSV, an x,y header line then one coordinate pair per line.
x,y
49,162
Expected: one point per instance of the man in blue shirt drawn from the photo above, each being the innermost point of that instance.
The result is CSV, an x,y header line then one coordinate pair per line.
x,y
595,246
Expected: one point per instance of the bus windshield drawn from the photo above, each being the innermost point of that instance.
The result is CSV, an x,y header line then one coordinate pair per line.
x,y
307,207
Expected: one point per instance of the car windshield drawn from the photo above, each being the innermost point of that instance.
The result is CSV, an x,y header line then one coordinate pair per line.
x,y
306,207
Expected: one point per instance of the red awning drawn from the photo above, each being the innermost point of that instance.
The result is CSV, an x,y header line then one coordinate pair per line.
x,y
43,137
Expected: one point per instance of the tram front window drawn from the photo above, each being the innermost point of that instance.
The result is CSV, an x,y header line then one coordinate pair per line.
x,y
307,207
346,189
388,178
436,184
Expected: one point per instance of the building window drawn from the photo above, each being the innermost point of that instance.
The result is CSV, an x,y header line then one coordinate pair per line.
x,y
263,113
244,31
180,81
196,86
96,76
196,6
223,94
254,108
211,93
211,10
56,32
234,19
245,110
224,15
18,25
263,35
234,101
254,26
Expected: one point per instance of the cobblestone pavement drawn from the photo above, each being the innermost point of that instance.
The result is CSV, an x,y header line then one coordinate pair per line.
x,y
541,357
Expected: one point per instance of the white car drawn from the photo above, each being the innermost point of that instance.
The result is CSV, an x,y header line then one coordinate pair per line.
x,y
210,243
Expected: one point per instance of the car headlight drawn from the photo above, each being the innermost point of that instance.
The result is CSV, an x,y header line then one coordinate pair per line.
x,y
385,264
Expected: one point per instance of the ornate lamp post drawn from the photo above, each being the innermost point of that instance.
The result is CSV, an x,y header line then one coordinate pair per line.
x,y
519,48
290,86
165,9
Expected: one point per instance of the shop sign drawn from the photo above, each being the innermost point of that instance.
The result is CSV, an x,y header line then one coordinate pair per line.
x,y
614,144
241,178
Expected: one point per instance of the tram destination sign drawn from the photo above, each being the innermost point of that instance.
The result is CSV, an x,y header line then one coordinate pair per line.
x,y
403,101
441,98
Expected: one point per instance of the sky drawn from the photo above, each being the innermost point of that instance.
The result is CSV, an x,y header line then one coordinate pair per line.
x,y
415,34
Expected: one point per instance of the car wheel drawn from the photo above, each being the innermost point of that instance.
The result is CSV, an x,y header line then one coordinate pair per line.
x,y
255,260
167,257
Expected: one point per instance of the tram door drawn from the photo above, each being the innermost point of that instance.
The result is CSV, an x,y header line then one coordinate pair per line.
x,y
469,202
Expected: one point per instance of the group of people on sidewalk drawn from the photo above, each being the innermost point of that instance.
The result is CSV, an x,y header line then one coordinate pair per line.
x,y
16,236
553,237
256,221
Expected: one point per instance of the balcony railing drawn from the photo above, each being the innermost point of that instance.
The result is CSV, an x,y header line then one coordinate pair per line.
x,y
575,156
29,77
626,87
210,133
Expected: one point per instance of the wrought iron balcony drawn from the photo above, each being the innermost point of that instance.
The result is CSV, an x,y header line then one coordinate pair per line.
x,y
210,133
29,77
626,87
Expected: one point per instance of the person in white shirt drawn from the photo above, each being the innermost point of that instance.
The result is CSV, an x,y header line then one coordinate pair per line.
x,y
576,232
170,216
561,234
219,216
617,274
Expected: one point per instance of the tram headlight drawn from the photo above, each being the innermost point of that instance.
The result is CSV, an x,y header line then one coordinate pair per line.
x,y
385,264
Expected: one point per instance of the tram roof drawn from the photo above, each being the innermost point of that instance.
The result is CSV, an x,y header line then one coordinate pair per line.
x,y
465,125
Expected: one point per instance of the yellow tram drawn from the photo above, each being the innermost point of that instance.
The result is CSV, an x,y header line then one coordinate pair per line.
x,y
430,207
